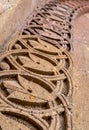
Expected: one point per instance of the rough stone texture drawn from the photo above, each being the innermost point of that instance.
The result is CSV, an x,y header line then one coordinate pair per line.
x,y
41,68
35,74
81,73
12,15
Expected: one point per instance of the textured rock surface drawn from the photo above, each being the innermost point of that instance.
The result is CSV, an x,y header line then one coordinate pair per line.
x,y
81,73
43,65
12,15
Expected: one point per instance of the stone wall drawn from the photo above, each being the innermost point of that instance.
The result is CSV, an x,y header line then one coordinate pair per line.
x,y
12,15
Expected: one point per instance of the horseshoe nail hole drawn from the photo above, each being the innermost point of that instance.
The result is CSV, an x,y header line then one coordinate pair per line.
x,y
73,11
69,35
76,9
70,27
70,19
71,15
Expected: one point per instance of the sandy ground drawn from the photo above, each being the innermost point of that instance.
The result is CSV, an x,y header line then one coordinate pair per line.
x,y
81,73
